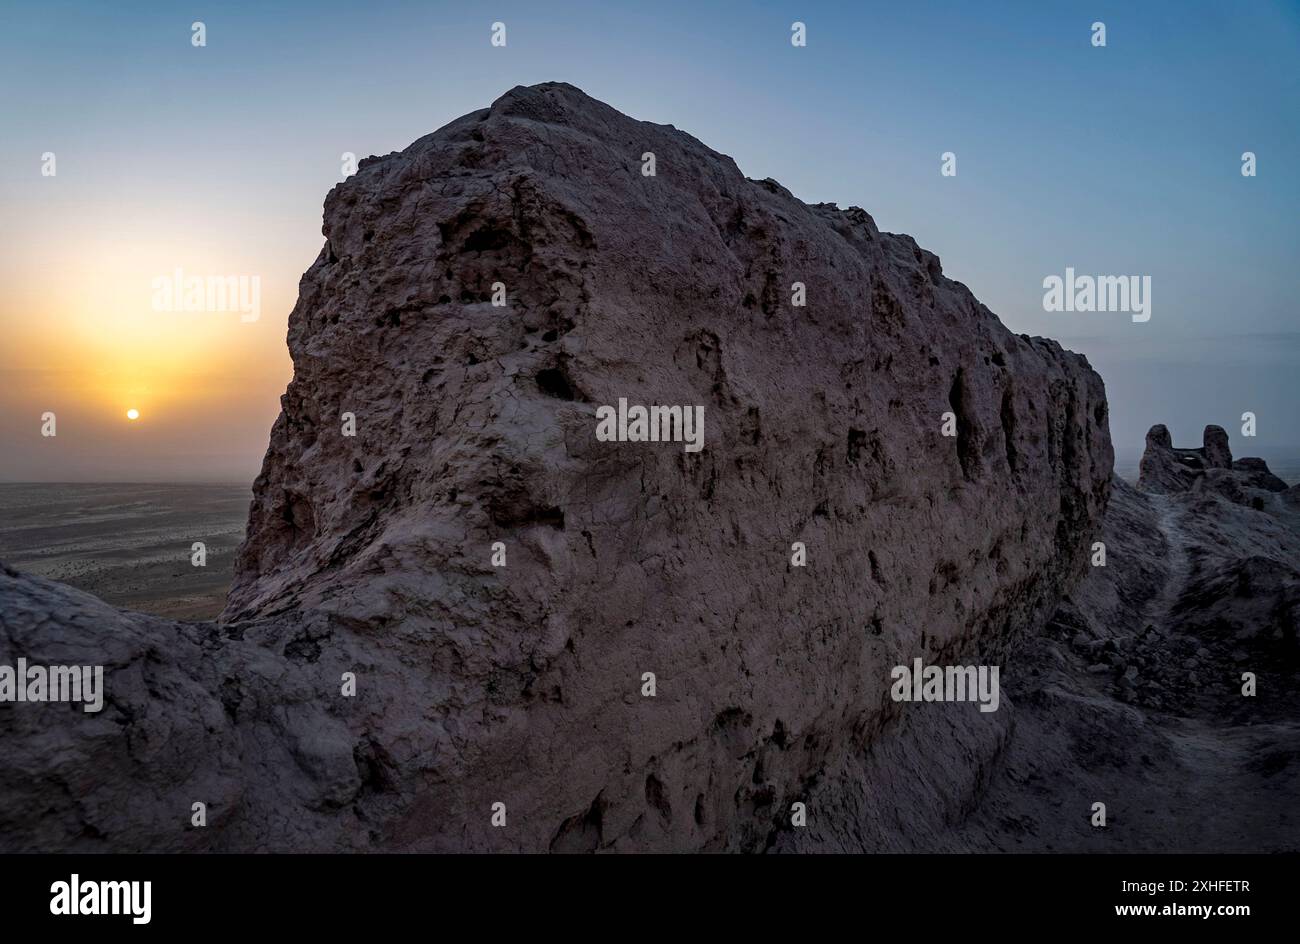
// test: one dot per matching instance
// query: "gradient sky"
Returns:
(1122, 160)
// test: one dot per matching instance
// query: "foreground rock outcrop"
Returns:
(523, 684)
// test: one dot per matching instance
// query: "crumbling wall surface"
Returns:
(824, 424)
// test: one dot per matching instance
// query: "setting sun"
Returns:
(132, 414)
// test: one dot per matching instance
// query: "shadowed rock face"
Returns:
(1130, 696)
(476, 424)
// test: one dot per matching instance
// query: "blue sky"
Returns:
(1118, 160)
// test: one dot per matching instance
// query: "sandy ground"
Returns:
(128, 544)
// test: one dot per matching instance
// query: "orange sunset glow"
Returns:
(89, 344)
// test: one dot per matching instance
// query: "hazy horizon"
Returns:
(216, 160)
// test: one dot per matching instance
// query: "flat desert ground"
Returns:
(128, 544)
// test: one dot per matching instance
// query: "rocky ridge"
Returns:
(522, 684)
